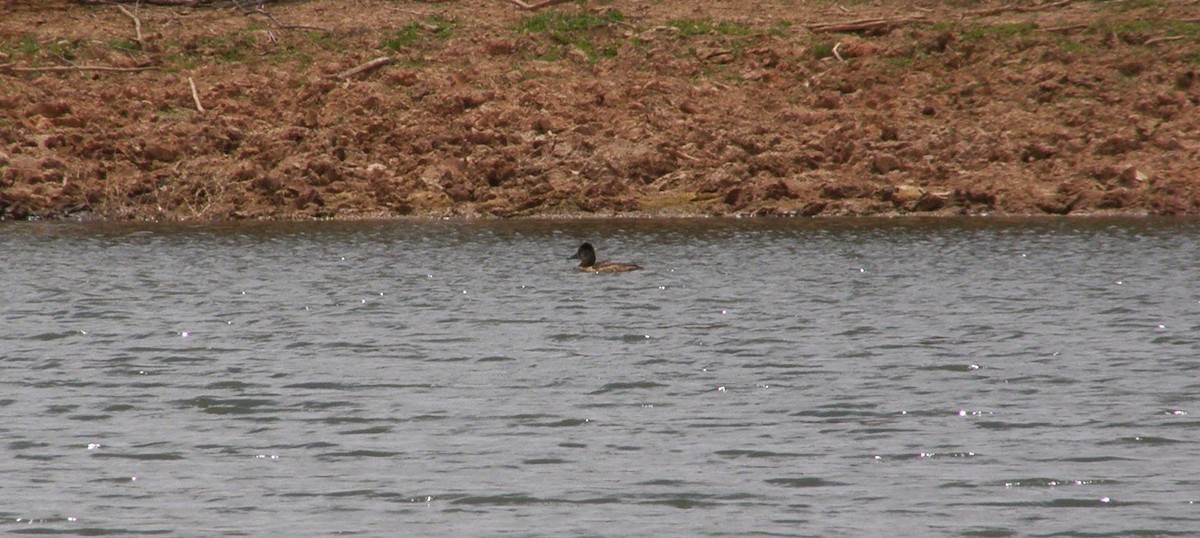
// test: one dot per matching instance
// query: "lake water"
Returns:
(760, 377)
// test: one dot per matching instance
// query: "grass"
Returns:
(228, 48)
(1130, 5)
(1070, 45)
(560, 23)
(409, 35)
(821, 49)
(1000, 32)
(569, 29)
(29, 45)
(434, 26)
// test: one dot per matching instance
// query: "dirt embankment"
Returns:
(618, 107)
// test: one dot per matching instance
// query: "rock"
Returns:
(1187, 79)
(1116, 145)
(1132, 177)
(714, 55)
(974, 196)
(1036, 152)
(828, 101)
(776, 191)
(733, 197)
(842, 191)
(49, 110)
(812, 209)
(460, 193)
(929, 202)
(902, 195)
(499, 47)
(1116, 199)
(309, 197)
(884, 163)
(155, 151)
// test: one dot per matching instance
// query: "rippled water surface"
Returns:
(765, 377)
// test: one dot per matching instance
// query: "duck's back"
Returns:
(611, 267)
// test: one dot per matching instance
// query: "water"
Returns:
(765, 377)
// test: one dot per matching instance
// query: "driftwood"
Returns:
(1164, 39)
(244, 4)
(1065, 29)
(137, 23)
(1018, 9)
(369, 66)
(61, 68)
(863, 25)
(195, 96)
(267, 14)
(537, 5)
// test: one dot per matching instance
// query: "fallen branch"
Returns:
(1154, 40)
(864, 25)
(835, 52)
(267, 14)
(369, 66)
(180, 3)
(195, 96)
(62, 68)
(1018, 9)
(151, 2)
(1067, 28)
(537, 5)
(137, 24)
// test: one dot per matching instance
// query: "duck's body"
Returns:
(587, 262)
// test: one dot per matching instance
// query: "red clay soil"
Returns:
(626, 107)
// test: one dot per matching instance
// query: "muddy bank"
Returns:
(622, 107)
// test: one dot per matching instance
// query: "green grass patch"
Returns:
(1130, 5)
(432, 27)
(228, 48)
(821, 49)
(559, 22)
(1069, 45)
(1149, 26)
(1000, 32)
(577, 30)
(28, 45)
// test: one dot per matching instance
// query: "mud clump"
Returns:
(624, 108)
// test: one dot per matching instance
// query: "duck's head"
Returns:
(586, 255)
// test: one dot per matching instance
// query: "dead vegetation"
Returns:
(306, 109)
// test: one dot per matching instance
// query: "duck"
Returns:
(587, 262)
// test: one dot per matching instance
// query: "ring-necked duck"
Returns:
(587, 262)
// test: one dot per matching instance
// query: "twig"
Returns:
(369, 66)
(402, 10)
(151, 2)
(195, 96)
(61, 68)
(267, 14)
(1018, 9)
(1067, 28)
(137, 24)
(835, 52)
(863, 25)
(537, 5)
(1154, 40)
